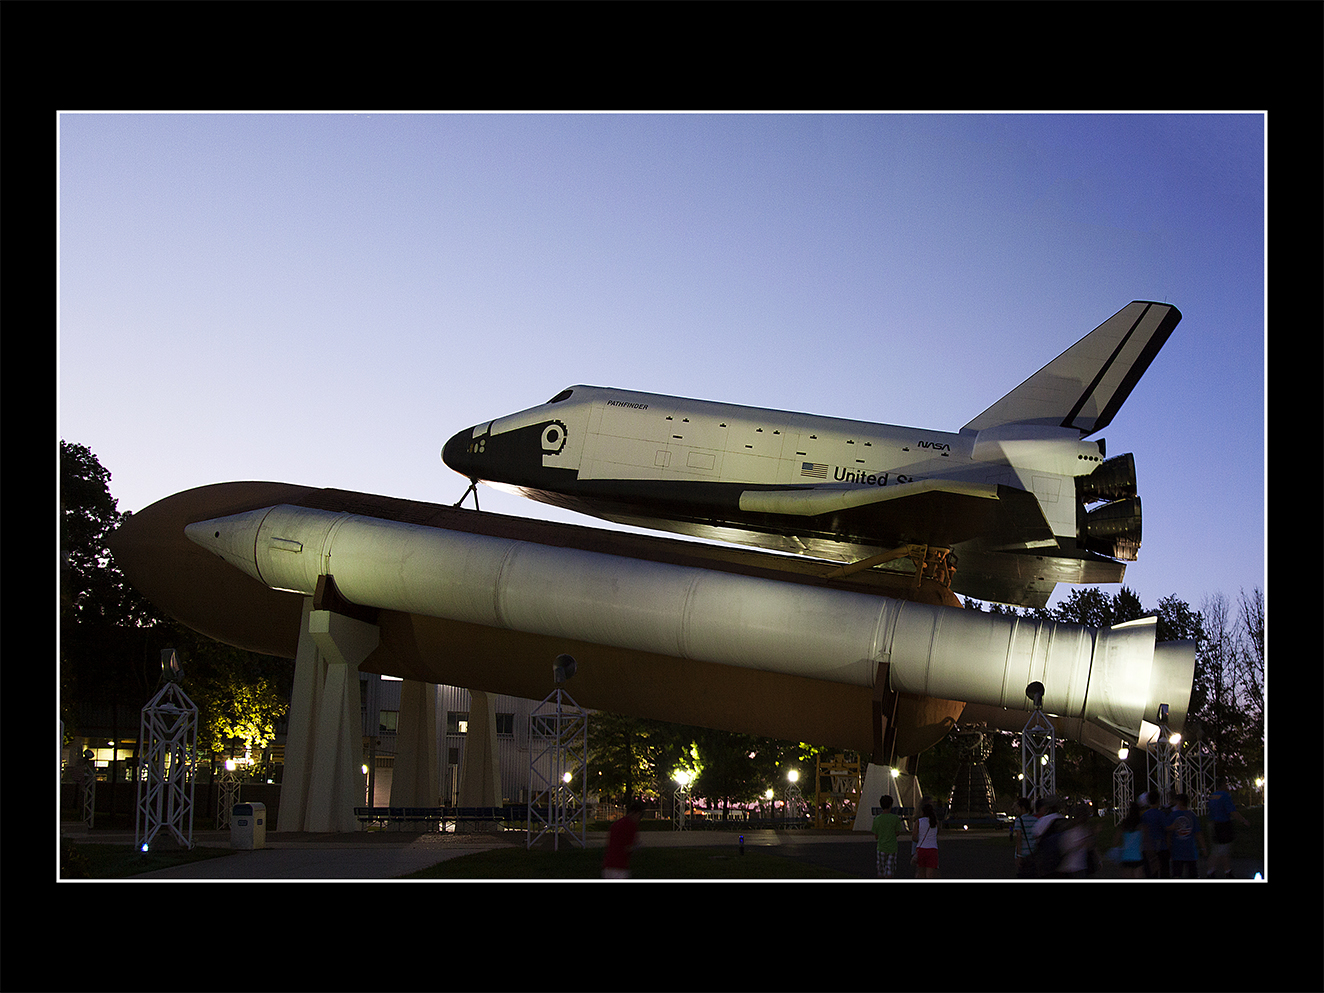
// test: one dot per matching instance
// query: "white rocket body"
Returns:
(1114, 677)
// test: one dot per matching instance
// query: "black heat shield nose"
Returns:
(458, 453)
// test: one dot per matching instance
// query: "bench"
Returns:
(437, 818)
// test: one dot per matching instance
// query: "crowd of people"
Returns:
(1153, 841)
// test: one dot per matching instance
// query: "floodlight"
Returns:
(1035, 691)
(563, 668)
(170, 664)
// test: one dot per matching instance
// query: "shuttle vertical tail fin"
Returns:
(1084, 387)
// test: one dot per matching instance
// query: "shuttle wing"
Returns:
(804, 502)
(1084, 386)
(939, 512)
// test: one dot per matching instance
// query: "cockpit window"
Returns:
(563, 395)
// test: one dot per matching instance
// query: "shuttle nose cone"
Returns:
(458, 452)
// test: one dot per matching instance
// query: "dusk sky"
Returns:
(325, 299)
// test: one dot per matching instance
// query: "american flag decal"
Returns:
(814, 470)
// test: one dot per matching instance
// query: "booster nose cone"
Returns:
(233, 538)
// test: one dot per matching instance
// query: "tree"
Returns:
(241, 696)
(1227, 702)
(111, 637)
(635, 756)
(1177, 621)
(1086, 605)
(618, 757)
(736, 768)
(1248, 664)
(91, 585)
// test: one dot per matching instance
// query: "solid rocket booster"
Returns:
(1114, 677)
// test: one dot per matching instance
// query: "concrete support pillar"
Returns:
(903, 788)
(480, 774)
(324, 748)
(415, 781)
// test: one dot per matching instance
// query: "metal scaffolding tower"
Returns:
(1163, 766)
(168, 753)
(558, 750)
(229, 795)
(680, 802)
(1199, 772)
(793, 802)
(1038, 749)
(838, 791)
(1124, 786)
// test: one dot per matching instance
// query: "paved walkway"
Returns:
(390, 854)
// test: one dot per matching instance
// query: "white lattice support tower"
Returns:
(229, 795)
(90, 803)
(1038, 757)
(167, 751)
(1163, 767)
(87, 787)
(680, 803)
(794, 803)
(1124, 791)
(1198, 774)
(558, 750)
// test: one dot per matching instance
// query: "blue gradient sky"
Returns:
(326, 299)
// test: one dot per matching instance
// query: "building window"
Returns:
(457, 722)
(505, 723)
(389, 722)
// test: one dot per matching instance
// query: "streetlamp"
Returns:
(682, 779)
(1123, 785)
(793, 798)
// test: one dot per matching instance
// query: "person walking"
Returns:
(1222, 811)
(1156, 837)
(1184, 836)
(886, 827)
(925, 836)
(1022, 834)
(621, 841)
(1047, 835)
(1079, 856)
(1130, 840)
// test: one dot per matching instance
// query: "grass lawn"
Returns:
(101, 861)
(655, 863)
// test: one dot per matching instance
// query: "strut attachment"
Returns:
(473, 488)
(934, 563)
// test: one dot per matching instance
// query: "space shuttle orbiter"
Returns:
(1016, 501)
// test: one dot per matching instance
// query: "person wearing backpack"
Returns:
(1155, 819)
(1080, 859)
(1022, 835)
(1130, 841)
(1047, 834)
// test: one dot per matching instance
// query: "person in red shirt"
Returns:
(621, 842)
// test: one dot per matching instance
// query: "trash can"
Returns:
(248, 825)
